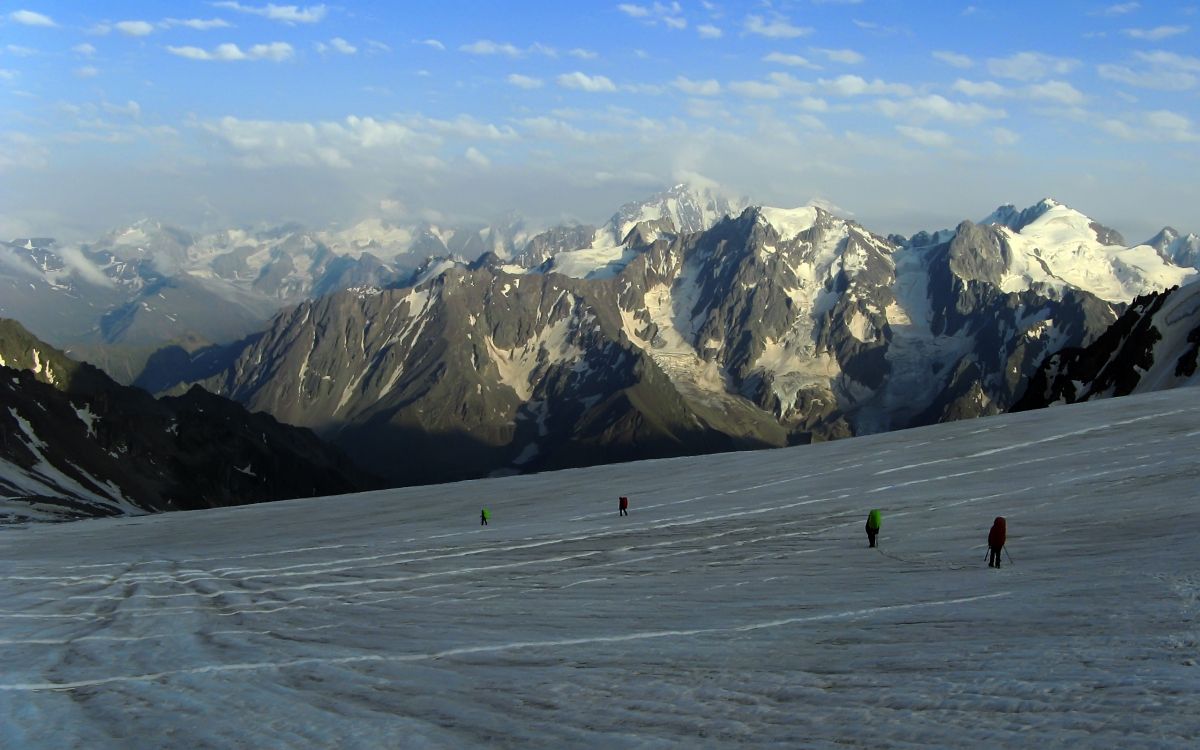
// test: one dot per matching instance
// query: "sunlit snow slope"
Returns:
(737, 604)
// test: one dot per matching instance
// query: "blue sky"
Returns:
(905, 115)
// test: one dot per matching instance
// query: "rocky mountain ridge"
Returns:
(775, 326)
(73, 443)
(118, 299)
(1155, 345)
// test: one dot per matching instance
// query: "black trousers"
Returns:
(994, 557)
(624, 512)
(871, 534)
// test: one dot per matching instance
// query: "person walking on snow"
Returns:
(623, 505)
(996, 541)
(483, 517)
(874, 523)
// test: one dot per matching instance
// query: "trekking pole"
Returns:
(1010, 560)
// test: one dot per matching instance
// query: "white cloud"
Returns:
(84, 49)
(668, 14)
(954, 59)
(1164, 80)
(1119, 9)
(199, 24)
(1005, 137)
(134, 28)
(931, 138)
(275, 52)
(709, 87)
(756, 89)
(130, 109)
(374, 45)
(706, 109)
(488, 47)
(30, 18)
(984, 89)
(1059, 92)
(880, 30)
(433, 43)
(938, 107)
(87, 71)
(463, 126)
(1171, 60)
(1154, 126)
(777, 28)
(844, 56)
(582, 82)
(1155, 34)
(583, 54)
(1030, 66)
(708, 31)
(476, 157)
(337, 144)
(19, 51)
(549, 128)
(337, 44)
(7, 75)
(288, 14)
(1165, 71)
(852, 85)
(796, 61)
(524, 82)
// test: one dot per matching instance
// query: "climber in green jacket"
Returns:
(874, 522)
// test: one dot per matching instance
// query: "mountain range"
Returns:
(689, 322)
(770, 327)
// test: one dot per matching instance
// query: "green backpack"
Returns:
(875, 519)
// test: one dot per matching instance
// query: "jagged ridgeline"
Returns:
(73, 443)
(769, 327)
(1154, 346)
(689, 322)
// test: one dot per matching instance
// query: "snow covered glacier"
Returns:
(737, 604)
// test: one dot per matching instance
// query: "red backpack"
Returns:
(997, 534)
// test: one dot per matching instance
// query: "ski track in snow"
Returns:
(737, 604)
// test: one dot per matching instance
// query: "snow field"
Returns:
(737, 604)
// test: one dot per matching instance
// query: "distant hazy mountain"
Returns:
(73, 443)
(117, 300)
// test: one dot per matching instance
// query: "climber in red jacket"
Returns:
(996, 542)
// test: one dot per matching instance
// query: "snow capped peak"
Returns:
(379, 236)
(788, 223)
(1052, 244)
(689, 208)
(1016, 220)
(1182, 250)
(1163, 239)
